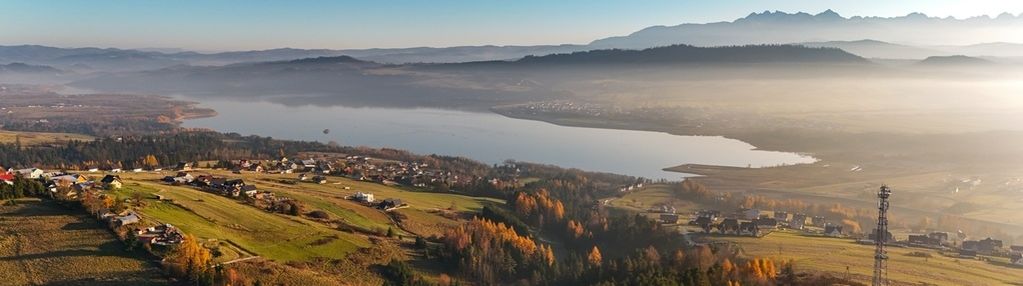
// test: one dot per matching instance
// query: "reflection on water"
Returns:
(489, 137)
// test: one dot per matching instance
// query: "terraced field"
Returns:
(45, 244)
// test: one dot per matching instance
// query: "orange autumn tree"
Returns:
(594, 257)
(493, 252)
(539, 208)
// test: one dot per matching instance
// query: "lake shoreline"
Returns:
(490, 137)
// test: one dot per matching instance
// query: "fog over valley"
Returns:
(777, 148)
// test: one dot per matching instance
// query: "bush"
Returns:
(919, 254)
(319, 214)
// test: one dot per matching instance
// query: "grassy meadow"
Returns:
(836, 255)
(291, 238)
(40, 138)
(42, 243)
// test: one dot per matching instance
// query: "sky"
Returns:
(219, 25)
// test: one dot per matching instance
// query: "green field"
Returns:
(45, 244)
(273, 236)
(290, 238)
(834, 255)
(423, 212)
(648, 197)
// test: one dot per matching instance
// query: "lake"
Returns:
(489, 137)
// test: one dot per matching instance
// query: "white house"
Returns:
(364, 197)
(30, 173)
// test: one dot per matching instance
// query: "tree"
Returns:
(651, 254)
(151, 161)
(190, 259)
(231, 278)
(594, 257)
(420, 242)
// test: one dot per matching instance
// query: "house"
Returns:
(182, 178)
(749, 214)
(748, 228)
(183, 166)
(162, 235)
(704, 222)
(111, 182)
(970, 245)
(1016, 248)
(233, 187)
(217, 183)
(819, 221)
(798, 221)
(30, 173)
(766, 222)
(781, 216)
(7, 177)
(390, 204)
(249, 190)
(669, 218)
(712, 214)
(923, 239)
(73, 178)
(363, 197)
(129, 218)
(989, 245)
(833, 230)
(203, 181)
(888, 237)
(942, 237)
(309, 164)
(729, 225)
(1016, 258)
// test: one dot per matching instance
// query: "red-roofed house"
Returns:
(7, 177)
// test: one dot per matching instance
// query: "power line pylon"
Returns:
(880, 237)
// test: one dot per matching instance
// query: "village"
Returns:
(758, 223)
(92, 189)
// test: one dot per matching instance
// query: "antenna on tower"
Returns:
(880, 237)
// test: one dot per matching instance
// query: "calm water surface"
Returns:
(489, 137)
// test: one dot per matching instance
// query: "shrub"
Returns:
(319, 214)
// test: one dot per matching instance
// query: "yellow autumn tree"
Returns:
(190, 258)
(594, 256)
(150, 161)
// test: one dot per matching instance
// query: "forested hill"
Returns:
(685, 54)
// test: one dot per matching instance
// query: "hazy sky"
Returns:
(257, 24)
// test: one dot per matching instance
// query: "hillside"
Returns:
(952, 61)
(878, 49)
(42, 243)
(683, 54)
(26, 68)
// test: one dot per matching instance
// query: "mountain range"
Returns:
(781, 27)
(914, 36)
